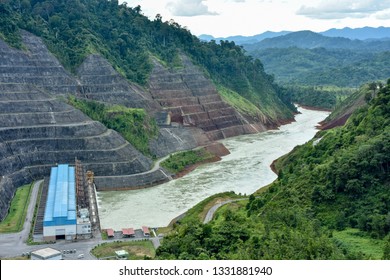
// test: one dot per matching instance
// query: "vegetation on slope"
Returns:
(346, 107)
(334, 185)
(180, 161)
(241, 104)
(76, 28)
(133, 124)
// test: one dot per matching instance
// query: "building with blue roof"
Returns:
(60, 218)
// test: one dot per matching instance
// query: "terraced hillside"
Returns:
(34, 66)
(37, 131)
(194, 101)
(99, 81)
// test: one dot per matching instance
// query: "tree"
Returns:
(386, 250)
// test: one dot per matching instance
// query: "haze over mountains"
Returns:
(364, 33)
(311, 40)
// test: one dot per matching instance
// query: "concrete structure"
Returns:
(46, 254)
(60, 221)
(163, 118)
(84, 227)
(121, 255)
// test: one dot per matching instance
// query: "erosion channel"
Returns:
(245, 170)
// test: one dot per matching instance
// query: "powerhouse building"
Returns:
(60, 218)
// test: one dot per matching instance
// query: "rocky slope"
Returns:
(194, 101)
(346, 108)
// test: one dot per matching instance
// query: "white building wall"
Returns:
(64, 229)
(84, 228)
(35, 257)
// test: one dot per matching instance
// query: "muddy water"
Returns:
(244, 171)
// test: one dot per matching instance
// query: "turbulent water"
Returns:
(244, 171)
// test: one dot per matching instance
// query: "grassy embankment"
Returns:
(18, 210)
(240, 103)
(138, 250)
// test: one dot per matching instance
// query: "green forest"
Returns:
(331, 201)
(324, 67)
(76, 28)
(319, 77)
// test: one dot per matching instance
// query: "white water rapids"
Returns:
(244, 171)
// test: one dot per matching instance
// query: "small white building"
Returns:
(46, 254)
(83, 224)
(121, 255)
(83, 227)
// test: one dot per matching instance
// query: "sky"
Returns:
(223, 18)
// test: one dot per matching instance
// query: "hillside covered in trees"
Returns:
(331, 201)
(330, 67)
(324, 67)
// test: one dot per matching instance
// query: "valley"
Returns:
(163, 126)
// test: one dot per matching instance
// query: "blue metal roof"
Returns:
(61, 199)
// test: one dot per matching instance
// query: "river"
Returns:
(244, 171)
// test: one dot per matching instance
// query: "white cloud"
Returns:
(189, 8)
(383, 15)
(336, 9)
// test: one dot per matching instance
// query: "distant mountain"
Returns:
(312, 40)
(320, 66)
(363, 33)
(245, 39)
(205, 37)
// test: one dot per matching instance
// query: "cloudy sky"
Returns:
(222, 18)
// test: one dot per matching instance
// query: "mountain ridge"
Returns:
(363, 33)
(310, 40)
